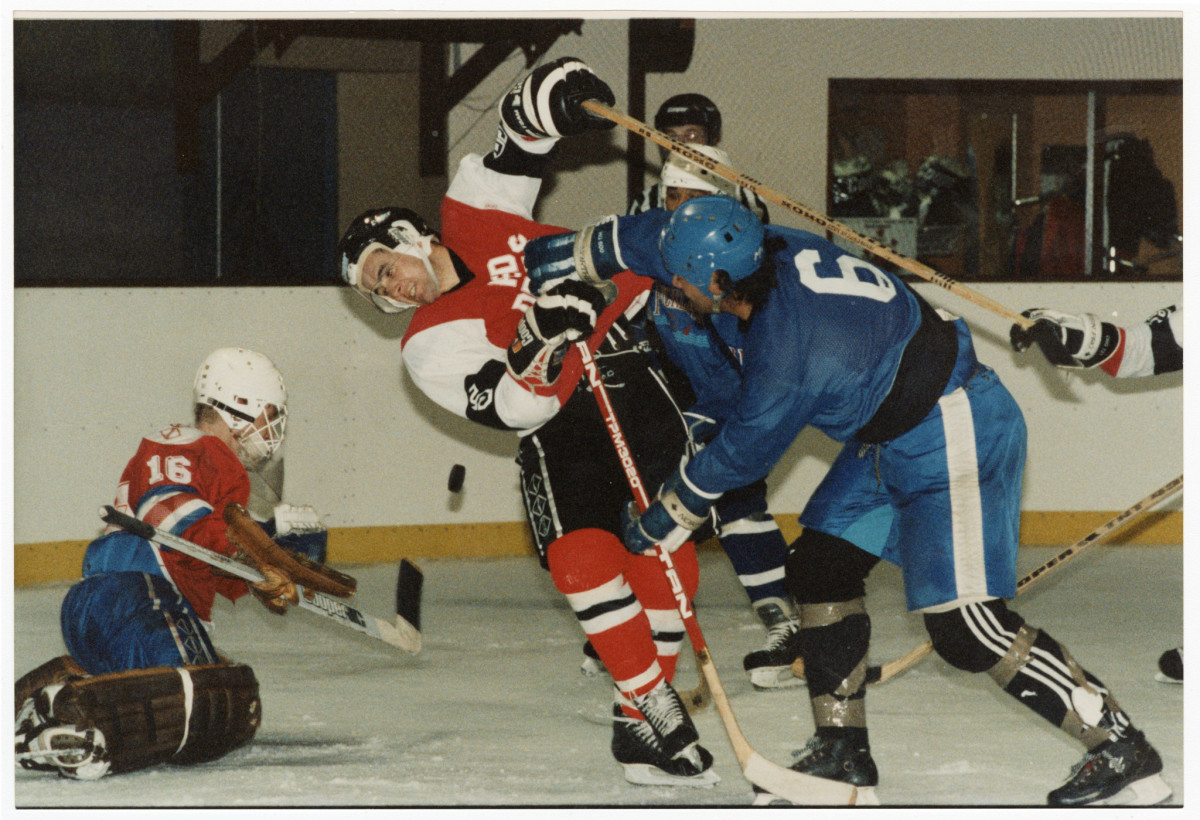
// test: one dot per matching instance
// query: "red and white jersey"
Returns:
(180, 480)
(1153, 347)
(455, 348)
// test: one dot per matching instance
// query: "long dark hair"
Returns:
(754, 289)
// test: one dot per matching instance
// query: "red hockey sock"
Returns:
(587, 566)
(648, 579)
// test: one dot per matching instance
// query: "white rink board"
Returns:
(95, 369)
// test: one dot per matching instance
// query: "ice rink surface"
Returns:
(494, 713)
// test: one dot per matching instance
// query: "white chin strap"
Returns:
(421, 249)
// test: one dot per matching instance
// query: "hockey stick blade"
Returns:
(318, 603)
(795, 787)
(409, 583)
(695, 700)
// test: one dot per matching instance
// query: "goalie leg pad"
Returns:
(188, 714)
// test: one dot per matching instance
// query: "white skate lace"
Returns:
(778, 634)
(662, 709)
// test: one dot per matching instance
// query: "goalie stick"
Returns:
(879, 674)
(403, 634)
(796, 787)
(707, 163)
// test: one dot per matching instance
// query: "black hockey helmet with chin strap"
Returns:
(392, 227)
(690, 109)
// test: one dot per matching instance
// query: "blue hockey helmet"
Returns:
(711, 233)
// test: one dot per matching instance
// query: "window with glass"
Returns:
(1000, 180)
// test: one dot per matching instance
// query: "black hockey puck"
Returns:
(457, 474)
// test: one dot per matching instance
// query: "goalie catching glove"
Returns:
(1067, 340)
(548, 103)
(275, 591)
(281, 568)
(560, 316)
(678, 510)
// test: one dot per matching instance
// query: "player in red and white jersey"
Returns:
(482, 346)
(143, 683)
(180, 480)
(1151, 348)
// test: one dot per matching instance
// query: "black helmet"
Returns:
(690, 109)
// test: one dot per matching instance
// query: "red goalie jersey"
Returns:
(454, 349)
(179, 480)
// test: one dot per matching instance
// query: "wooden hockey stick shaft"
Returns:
(1096, 536)
(400, 634)
(800, 789)
(697, 698)
(833, 226)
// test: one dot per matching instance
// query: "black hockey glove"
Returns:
(549, 101)
(562, 315)
(1065, 339)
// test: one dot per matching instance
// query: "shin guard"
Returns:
(834, 639)
(1031, 666)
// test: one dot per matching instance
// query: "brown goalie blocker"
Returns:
(251, 537)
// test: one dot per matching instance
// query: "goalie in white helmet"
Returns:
(136, 626)
(247, 392)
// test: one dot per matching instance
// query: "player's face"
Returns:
(688, 133)
(400, 276)
(677, 196)
(700, 301)
(256, 442)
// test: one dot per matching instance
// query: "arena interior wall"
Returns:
(373, 455)
(94, 369)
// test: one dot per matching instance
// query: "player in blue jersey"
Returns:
(700, 352)
(929, 477)
(705, 345)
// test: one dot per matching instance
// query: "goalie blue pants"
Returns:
(116, 621)
(942, 501)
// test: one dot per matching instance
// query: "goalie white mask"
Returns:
(247, 391)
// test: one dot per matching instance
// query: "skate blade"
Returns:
(774, 677)
(1161, 678)
(643, 774)
(865, 797)
(1149, 791)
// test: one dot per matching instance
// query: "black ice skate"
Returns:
(771, 666)
(1125, 772)
(833, 758)
(1170, 666)
(663, 749)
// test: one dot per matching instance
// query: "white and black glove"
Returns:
(562, 315)
(1066, 339)
(549, 101)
